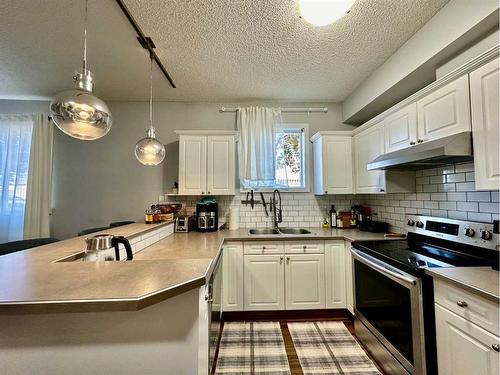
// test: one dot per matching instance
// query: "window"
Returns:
(15, 145)
(291, 160)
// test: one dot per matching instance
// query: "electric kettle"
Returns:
(99, 248)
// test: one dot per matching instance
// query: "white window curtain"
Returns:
(257, 127)
(37, 211)
(15, 144)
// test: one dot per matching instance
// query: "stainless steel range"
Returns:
(394, 305)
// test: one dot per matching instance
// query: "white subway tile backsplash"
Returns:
(422, 180)
(468, 206)
(430, 188)
(438, 196)
(495, 196)
(431, 204)
(447, 187)
(457, 215)
(479, 196)
(481, 217)
(467, 167)
(439, 179)
(446, 169)
(457, 177)
(465, 186)
(492, 208)
(448, 205)
(457, 197)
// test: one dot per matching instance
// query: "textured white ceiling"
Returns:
(217, 50)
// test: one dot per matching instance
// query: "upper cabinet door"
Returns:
(337, 165)
(192, 165)
(368, 145)
(485, 125)
(445, 111)
(220, 165)
(400, 128)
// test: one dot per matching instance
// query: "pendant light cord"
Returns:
(85, 39)
(151, 91)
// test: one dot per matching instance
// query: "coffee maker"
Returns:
(207, 216)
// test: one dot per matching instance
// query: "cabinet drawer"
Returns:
(263, 247)
(304, 247)
(474, 308)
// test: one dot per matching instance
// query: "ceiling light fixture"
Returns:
(324, 12)
(150, 151)
(77, 112)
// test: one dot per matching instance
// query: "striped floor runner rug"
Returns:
(329, 348)
(252, 348)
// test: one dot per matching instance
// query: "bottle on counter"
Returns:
(353, 220)
(333, 217)
(148, 217)
(156, 216)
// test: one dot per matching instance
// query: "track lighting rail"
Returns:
(146, 42)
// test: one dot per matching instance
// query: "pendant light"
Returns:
(150, 151)
(324, 12)
(77, 112)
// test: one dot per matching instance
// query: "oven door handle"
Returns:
(383, 268)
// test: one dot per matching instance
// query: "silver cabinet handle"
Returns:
(287, 260)
(281, 260)
(304, 247)
(462, 303)
(495, 347)
(202, 192)
(413, 143)
(420, 140)
(208, 192)
(263, 248)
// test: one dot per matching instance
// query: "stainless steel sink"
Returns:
(263, 231)
(294, 231)
(280, 231)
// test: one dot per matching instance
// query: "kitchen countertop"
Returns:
(32, 281)
(483, 281)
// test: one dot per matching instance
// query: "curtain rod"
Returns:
(295, 110)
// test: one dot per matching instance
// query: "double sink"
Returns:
(279, 231)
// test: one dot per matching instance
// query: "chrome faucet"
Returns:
(277, 212)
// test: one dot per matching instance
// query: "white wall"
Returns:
(454, 21)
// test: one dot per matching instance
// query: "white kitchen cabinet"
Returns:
(264, 282)
(305, 281)
(305, 247)
(232, 276)
(333, 166)
(485, 125)
(220, 165)
(206, 163)
(400, 128)
(192, 165)
(445, 111)
(368, 145)
(348, 277)
(464, 348)
(335, 266)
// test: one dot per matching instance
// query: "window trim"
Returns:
(306, 162)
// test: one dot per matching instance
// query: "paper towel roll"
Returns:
(234, 218)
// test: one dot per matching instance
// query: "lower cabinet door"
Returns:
(464, 348)
(232, 276)
(335, 266)
(349, 284)
(264, 282)
(305, 281)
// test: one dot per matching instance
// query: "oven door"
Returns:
(388, 302)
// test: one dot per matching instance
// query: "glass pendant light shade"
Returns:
(77, 112)
(324, 12)
(150, 151)
(80, 114)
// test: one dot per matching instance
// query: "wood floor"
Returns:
(289, 316)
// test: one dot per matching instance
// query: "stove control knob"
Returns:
(420, 224)
(411, 223)
(486, 235)
(469, 232)
(421, 263)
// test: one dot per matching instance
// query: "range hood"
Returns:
(448, 150)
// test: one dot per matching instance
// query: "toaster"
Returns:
(184, 224)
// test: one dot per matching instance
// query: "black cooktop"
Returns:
(415, 254)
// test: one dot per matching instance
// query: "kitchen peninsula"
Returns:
(67, 316)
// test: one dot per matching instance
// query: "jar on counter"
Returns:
(148, 217)
(156, 216)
